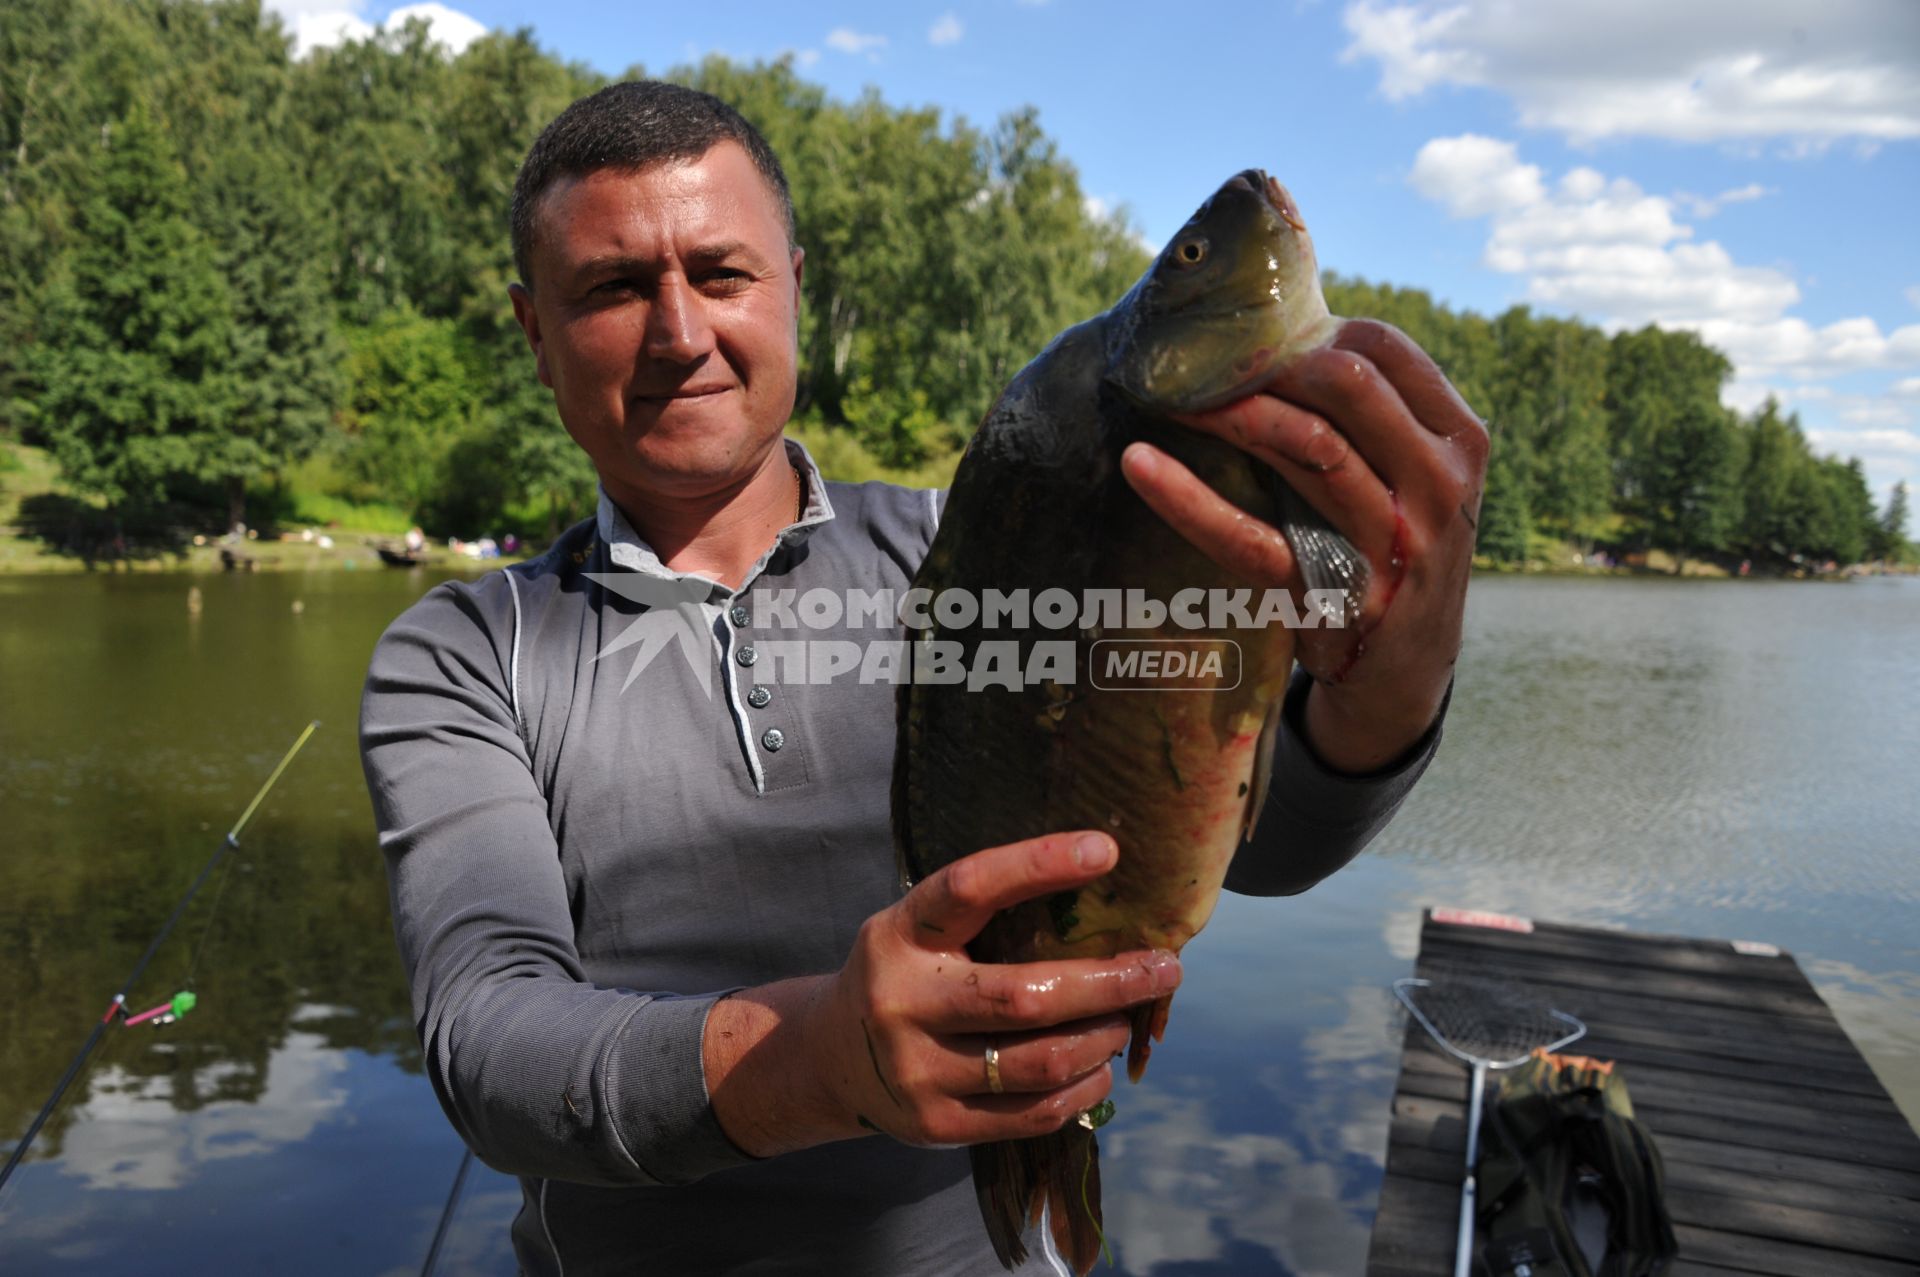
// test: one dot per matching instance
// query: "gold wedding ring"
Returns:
(993, 1070)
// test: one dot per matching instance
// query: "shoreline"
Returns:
(20, 557)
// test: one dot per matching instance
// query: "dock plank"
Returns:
(1785, 1155)
(1845, 1136)
(1694, 1076)
(1858, 1203)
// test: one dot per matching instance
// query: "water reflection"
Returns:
(130, 1135)
(1686, 757)
(1199, 1193)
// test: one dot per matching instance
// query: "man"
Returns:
(662, 968)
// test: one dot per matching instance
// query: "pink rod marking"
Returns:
(162, 1009)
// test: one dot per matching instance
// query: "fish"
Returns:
(1177, 775)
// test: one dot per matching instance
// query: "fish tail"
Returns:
(1061, 1171)
(1149, 1026)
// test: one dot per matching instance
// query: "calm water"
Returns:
(1728, 759)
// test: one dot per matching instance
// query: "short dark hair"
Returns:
(633, 126)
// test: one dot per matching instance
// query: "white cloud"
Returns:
(322, 24)
(1743, 395)
(947, 30)
(1621, 257)
(450, 27)
(1790, 346)
(1695, 71)
(1889, 454)
(1606, 249)
(1708, 205)
(1913, 294)
(847, 40)
(1865, 411)
(320, 28)
(1474, 175)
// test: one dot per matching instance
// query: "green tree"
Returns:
(283, 357)
(1506, 512)
(1676, 455)
(1550, 391)
(67, 72)
(412, 395)
(134, 351)
(369, 148)
(1775, 451)
(1854, 525)
(1890, 533)
(1691, 489)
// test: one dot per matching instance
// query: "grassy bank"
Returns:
(39, 517)
(332, 533)
(328, 533)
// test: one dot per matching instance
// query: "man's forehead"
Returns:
(720, 186)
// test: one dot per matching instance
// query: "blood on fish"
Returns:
(1396, 573)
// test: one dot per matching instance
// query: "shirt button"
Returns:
(759, 697)
(740, 615)
(774, 739)
(746, 655)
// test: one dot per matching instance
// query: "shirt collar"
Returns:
(626, 550)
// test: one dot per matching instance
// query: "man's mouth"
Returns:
(683, 392)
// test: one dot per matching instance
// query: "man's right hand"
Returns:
(896, 1040)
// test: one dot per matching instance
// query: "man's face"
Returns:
(663, 316)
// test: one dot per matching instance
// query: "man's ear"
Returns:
(530, 325)
(799, 262)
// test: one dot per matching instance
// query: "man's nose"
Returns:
(677, 327)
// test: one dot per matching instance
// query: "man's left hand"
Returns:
(1369, 431)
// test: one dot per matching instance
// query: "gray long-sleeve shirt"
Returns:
(601, 810)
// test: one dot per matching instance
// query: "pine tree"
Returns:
(134, 348)
(1890, 534)
(1506, 513)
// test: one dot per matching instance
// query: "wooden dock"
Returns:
(1784, 1154)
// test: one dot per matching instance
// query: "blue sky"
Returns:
(1745, 168)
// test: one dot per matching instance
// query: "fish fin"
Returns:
(1149, 1026)
(1262, 770)
(1014, 1179)
(1326, 559)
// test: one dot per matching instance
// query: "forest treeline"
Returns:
(235, 286)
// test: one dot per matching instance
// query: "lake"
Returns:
(1732, 759)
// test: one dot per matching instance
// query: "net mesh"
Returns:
(1496, 1021)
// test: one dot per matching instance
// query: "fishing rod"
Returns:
(182, 1002)
(446, 1215)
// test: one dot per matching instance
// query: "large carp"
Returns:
(1177, 774)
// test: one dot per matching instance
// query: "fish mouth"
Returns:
(1257, 181)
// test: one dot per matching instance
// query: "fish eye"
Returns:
(1191, 253)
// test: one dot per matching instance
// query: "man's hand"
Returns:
(1370, 432)
(896, 1041)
